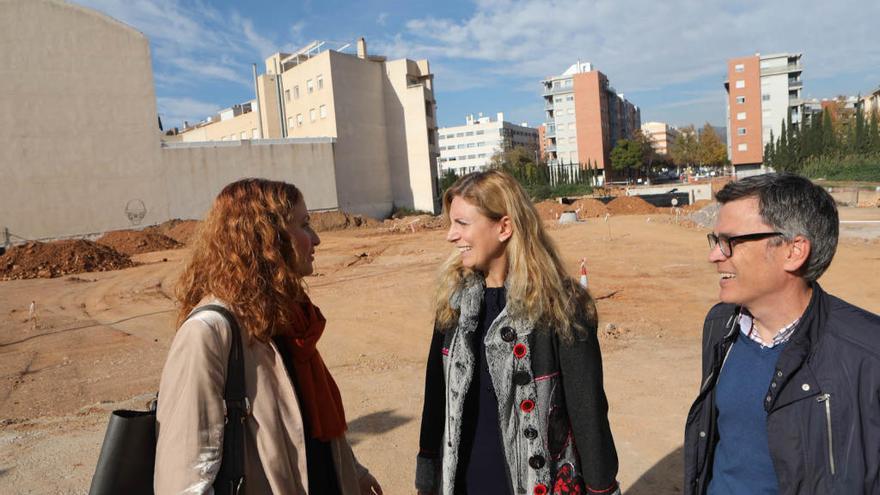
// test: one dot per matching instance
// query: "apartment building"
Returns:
(469, 147)
(382, 114)
(763, 91)
(661, 134)
(871, 102)
(585, 118)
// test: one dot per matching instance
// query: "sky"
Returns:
(666, 57)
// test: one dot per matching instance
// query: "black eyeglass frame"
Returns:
(721, 240)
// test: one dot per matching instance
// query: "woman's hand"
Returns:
(369, 485)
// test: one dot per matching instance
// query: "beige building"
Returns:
(661, 134)
(871, 102)
(381, 113)
(84, 157)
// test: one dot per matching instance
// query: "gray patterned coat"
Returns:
(552, 410)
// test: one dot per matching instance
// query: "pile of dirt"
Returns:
(179, 230)
(415, 223)
(324, 221)
(589, 208)
(631, 205)
(550, 210)
(138, 241)
(55, 259)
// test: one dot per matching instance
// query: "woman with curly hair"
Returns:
(250, 256)
(514, 401)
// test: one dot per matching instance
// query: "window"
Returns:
(740, 84)
(460, 134)
(311, 115)
(243, 134)
(310, 86)
(470, 145)
(765, 97)
(741, 116)
(289, 121)
(741, 131)
(286, 95)
(569, 98)
(296, 92)
(320, 81)
(299, 119)
(255, 133)
(469, 133)
(742, 147)
(479, 133)
(739, 67)
(323, 111)
(740, 99)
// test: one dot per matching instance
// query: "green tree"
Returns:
(627, 155)
(447, 179)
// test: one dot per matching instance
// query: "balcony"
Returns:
(557, 90)
(551, 131)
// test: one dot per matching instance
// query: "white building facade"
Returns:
(469, 148)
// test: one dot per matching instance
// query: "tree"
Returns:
(627, 155)
(710, 150)
(684, 147)
(646, 144)
(447, 179)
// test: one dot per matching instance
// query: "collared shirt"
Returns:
(747, 327)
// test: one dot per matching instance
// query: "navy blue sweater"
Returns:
(742, 458)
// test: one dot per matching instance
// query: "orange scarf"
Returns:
(318, 393)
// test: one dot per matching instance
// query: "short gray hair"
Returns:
(794, 206)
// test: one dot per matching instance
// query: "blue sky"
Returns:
(490, 55)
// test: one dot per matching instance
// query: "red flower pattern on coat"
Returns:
(567, 483)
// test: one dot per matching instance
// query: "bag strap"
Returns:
(230, 479)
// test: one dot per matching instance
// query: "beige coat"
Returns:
(190, 417)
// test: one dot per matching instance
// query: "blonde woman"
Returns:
(253, 250)
(514, 402)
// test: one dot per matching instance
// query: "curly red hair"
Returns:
(244, 255)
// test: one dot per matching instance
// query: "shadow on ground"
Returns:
(664, 478)
(374, 424)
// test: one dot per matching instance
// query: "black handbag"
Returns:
(128, 454)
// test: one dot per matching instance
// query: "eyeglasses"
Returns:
(726, 243)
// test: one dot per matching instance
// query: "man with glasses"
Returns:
(790, 395)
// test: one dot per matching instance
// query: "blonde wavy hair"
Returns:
(244, 255)
(538, 287)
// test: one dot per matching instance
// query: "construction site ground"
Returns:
(99, 340)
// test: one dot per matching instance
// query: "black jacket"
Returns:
(564, 382)
(823, 405)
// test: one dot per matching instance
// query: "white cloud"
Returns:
(643, 44)
(382, 18)
(193, 40)
(174, 110)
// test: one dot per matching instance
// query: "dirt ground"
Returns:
(99, 343)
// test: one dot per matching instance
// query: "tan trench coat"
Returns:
(190, 417)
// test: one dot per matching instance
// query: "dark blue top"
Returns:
(742, 463)
(482, 467)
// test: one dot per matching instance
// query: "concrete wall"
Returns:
(81, 151)
(194, 173)
(696, 191)
(79, 116)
